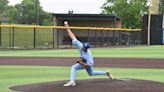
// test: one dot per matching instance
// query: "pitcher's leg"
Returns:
(73, 71)
(91, 72)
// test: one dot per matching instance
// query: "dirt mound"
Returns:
(95, 85)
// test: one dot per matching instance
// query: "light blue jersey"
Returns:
(86, 55)
(89, 60)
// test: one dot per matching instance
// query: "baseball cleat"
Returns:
(71, 83)
(109, 75)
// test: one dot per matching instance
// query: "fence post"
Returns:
(119, 37)
(53, 38)
(88, 36)
(57, 39)
(131, 37)
(101, 38)
(114, 32)
(95, 38)
(13, 38)
(114, 37)
(107, 37)
(34, 40)
(0, 35)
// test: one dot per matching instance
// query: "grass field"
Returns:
(23, 38)
(131, 52)
(18, 75)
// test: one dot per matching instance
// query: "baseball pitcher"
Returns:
(86, 60)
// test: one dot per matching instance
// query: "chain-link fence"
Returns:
(47, 37)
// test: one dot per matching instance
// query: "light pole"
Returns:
(36, 12)
(153, 9)
(21, 11)
(149, 24)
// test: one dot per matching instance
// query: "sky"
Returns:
(63, 6)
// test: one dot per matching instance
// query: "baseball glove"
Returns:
(83, 62)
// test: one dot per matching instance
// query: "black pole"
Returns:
(0, 35)
(113, 37)
(101, 37)
(36, 12)
(131, 37)
(126, 38)
(13, 38)
(114, 32)
(119, 37)
(88, 36)
(34, 44)
(57, 39)
(95, 38)
(108, 38)
(11, 35)
(53, 38)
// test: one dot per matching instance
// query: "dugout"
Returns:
(156, 29)
(88, 20)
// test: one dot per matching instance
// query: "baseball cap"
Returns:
(86, 45)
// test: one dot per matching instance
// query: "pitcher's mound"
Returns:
(95, 85)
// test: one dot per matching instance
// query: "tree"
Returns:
(3, 7)
(130, 11)
(12, 13)
(46, 19)
(27, 12)
(161, 6)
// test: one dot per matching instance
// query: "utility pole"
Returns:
(21, 12)
(36, 13)
(153, 9)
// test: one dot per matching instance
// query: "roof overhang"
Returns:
(83, 17)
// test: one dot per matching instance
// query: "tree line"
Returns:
(26, 12)
(130, 11)
(31, 12)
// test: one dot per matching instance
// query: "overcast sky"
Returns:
(63, 6)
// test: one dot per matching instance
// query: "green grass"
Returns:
(18, 75)
(131, 52)
(23, 38)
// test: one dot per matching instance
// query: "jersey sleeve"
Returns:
(77, 43)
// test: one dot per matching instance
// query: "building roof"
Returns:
(93, 17)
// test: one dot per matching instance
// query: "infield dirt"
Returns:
(99, 62)
(95, 85)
